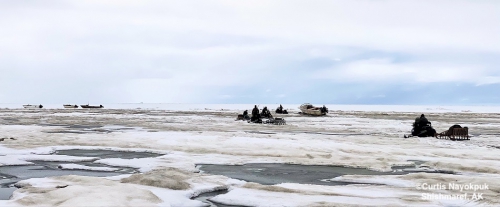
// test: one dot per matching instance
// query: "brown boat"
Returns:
(69, 106)
(91, 107)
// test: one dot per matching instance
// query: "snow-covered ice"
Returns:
(83, 167)
(357, 136)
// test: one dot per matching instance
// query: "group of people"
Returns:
(257, 115)
(422, 127)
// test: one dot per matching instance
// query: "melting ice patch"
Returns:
(83, 167)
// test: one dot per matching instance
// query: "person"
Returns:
(255, 111)
(255, 115)
(324, 109)
(245, 115)
(422, 127)
(423, 121)
(279, 110)
(265, 112)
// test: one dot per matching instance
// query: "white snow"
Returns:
(357, 136)
(252, 197)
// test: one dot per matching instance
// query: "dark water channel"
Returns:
(263, 173)
(86, 129)
(273, 173)
(9, 175)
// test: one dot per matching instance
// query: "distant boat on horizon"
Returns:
(29, 106)
(69, 106)
(86, 106)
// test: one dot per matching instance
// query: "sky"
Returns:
(189, 51)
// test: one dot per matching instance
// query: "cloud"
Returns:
(488, 80)
(388, 71)
(192, 51)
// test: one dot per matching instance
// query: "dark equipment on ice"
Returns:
(455, 132)
(276, 121)
(264, 117)
(256, 119)
(243, 116)
(91, 107)
(280, 110)
(422, 128)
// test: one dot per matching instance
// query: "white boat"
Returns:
(69, 106)
(309, 109)
(29, 106)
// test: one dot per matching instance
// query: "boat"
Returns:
(91, 107)
(309, 109)
(69, 106)
(29, 106)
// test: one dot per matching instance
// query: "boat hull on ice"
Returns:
(69, 106)
(29, 106)
(91, 107)
(309, 109)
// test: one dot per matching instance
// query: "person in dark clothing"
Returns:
(422, 127)
(423, 121)
(255, 110)
(255, 114)
(324, 110)
(279, 110)
(245, 114)
(265, 112)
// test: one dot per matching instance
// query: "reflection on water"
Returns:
(9, 175)
(272, 173)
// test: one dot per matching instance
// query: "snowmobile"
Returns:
(422, 131)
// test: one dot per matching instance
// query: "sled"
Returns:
(276, 121)
(454, 134)
(240, 117)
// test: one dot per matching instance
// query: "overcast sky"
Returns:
(331, 52)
